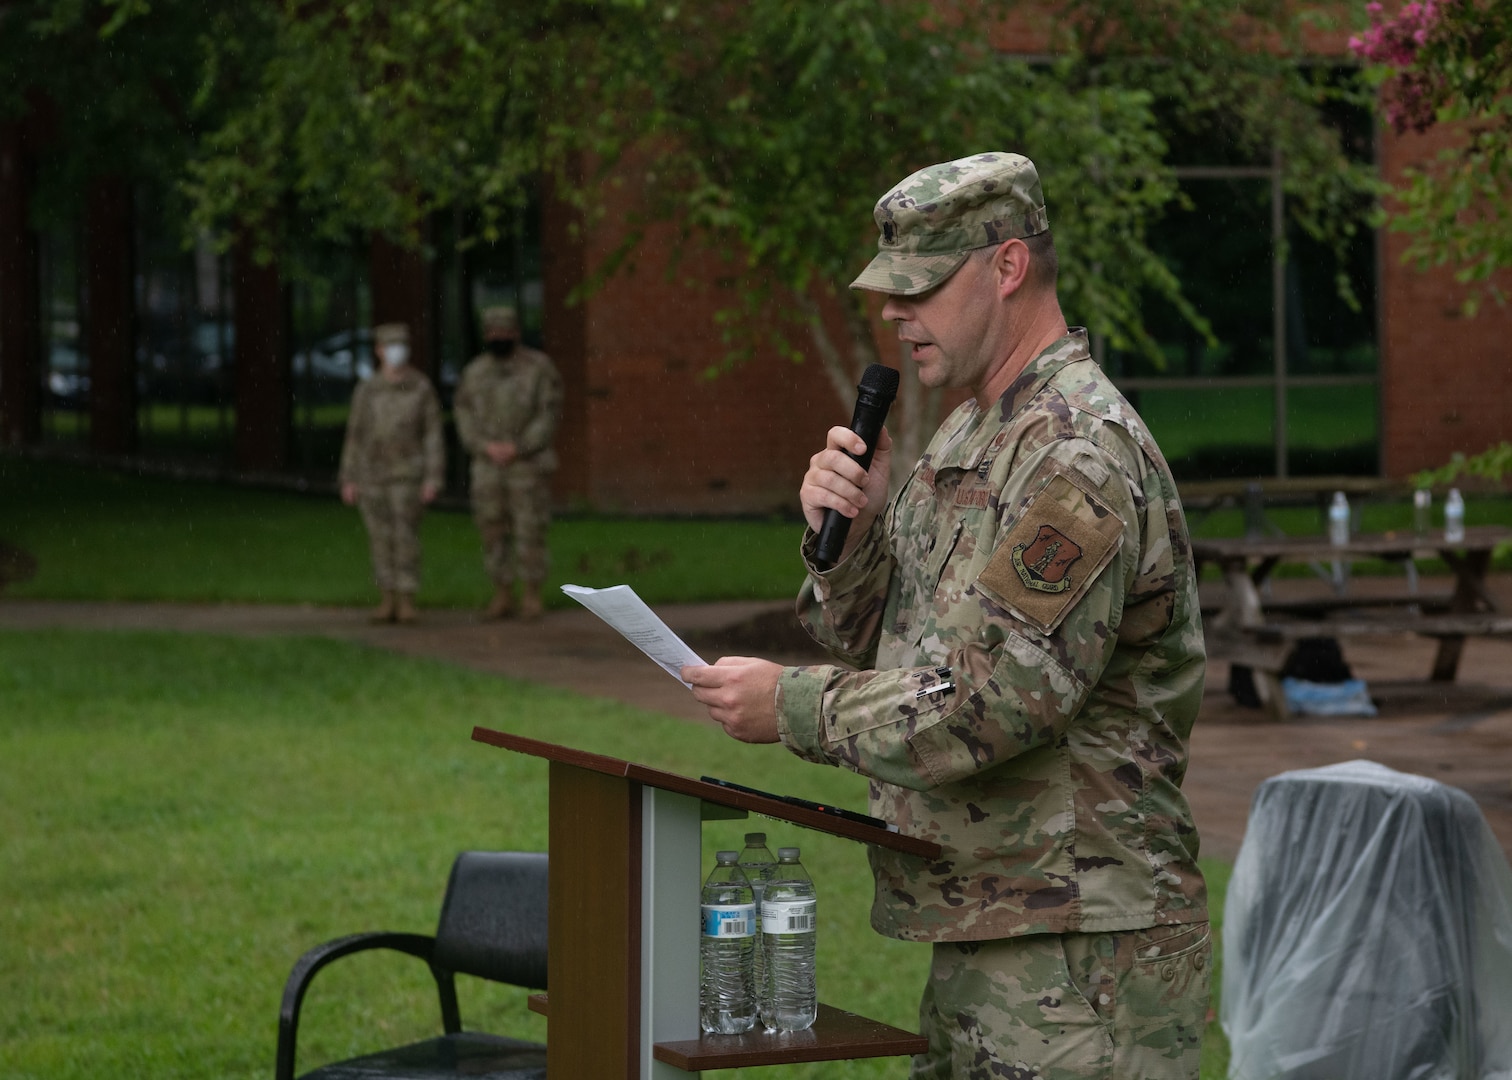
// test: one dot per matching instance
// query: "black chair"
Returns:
(493, 926)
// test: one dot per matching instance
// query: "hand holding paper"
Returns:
(740, 693)
(626, 612)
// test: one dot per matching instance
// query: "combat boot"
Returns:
(530, 603)
(502, 606)
(404, 609)
(384, 612)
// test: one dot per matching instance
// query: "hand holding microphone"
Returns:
(840, 486)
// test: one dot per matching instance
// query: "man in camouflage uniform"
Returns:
(507, 407)
(392, 465)
(1022, 663)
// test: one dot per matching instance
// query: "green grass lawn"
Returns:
(1229, 431)
(183, 816)
(100, 535)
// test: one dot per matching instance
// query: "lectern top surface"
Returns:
(752, 802)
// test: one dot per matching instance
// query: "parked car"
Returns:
(67, 377)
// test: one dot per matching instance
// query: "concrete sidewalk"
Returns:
(1460, 734)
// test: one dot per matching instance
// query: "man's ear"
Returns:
(1010, 264)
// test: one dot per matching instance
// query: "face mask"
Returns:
(502, 348)
(396, 355)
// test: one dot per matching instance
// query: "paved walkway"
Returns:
(1460, 734)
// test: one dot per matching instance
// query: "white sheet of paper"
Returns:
(626, 612)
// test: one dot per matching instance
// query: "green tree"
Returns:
(766, 127)
(1449, 62)
(784, 123)
(129, 87)
(371, 114)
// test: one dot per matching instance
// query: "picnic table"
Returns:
(1252, 629)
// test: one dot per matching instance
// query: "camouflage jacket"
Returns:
(1025, 625)
(393, 433)
(517, 400)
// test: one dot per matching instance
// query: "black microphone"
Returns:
(879, 385)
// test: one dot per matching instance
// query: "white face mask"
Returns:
(396, 354)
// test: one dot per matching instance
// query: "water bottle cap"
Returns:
(1339, 498)
(755, 839)
(726, 857)
(788, 853)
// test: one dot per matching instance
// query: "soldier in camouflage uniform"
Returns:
(392, 465)
(507, 408)
(1020, 663)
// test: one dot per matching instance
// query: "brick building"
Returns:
(113, 342)
(1444, 377)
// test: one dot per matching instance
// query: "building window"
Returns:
(65, 367)
(1290, 385)
(331, 346)
(184, 348)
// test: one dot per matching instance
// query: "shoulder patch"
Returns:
(1061, 542)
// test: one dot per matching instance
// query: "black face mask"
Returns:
(503, 349)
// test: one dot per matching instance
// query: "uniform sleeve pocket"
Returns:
(1024, 703)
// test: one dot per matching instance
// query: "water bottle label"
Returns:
(728, 921)
(789, 916)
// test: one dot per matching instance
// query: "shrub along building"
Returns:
(117, 343)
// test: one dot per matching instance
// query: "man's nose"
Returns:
(895, 310)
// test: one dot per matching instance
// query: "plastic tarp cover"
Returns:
(1367, 933)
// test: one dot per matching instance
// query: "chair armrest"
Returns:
(308, 965)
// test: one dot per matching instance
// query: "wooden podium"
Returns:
(623, 955)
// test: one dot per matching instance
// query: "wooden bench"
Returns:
(1250, 628)
(1266, 647)
(1312, 607)
(1475, 624)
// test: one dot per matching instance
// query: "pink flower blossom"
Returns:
(1412, 93)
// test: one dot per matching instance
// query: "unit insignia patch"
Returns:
(1044, 563)
(1060, 543)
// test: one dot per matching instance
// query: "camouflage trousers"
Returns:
(392, 514)
(1113, 1006)
(512, 509)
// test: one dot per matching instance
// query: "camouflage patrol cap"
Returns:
(500, 318)
(935, 218)
(391, 333)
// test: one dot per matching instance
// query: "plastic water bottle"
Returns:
(1338, 520)
(759, 865)
(727, 983)
(789, 923)
(1422, 509)
(1454, 517)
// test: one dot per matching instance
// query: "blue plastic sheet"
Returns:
(1347, 698)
